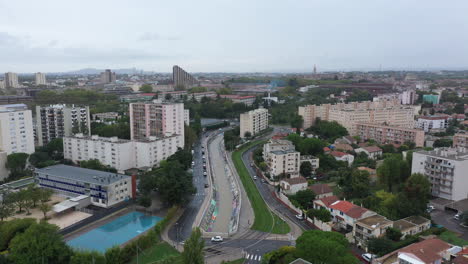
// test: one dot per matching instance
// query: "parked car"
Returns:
(430, 208)
(193, 163)
(263, 180)
(206, 185)
(299, 216)
(368, 257)
(217, 239)
(457, 216)
(255, 177)
(204, 173)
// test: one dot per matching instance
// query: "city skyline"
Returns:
(228, 36)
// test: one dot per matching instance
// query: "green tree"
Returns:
(328, 130)
(114, 255)
(380, 246)
(193, 248)
(393, 234)
(45, 207)
(321, 214)
(284, 254)
(9, 229)
(247, 134)
(80, 257)
(389, 173)
(415, 196)
(324, 247)
(297, 122)
(40, 243)
(306, 169)
(20, 199)
(303, 199)
(146, 88)
(360, 183)
(17, 161)
(439, 143)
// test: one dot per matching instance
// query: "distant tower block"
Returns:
(315, 69)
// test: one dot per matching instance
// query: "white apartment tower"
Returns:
(40, 78)
(16, 129)
(156, 119)
(253, 121)
(11, 80)
(446, 169)
(58, 121)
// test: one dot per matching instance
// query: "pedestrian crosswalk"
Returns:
(252, 258)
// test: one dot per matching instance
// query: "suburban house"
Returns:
(325, 202)
(345, 214)
(314, 161)
(429, 251)
(293, 185)
(343, 147)
(321, 190)
(412, 225)
(338, 155)
(370, 227)
(372, 173)
(373, 152)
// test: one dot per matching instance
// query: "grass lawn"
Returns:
(237, 261)
(452, 238)
(155, 253)
(263, 216)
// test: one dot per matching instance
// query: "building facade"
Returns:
(431, 98)
(182, 78)
(408, 97)
(156, 119)
(121, 154)
(374, 226)
(40, 78)
(58, 121)
(248, 100)
(445, 169)
(389, 134)
(432, 123)
(11, 80)
(105, 188)
(460, 141)
(253, 122)
(16, 129)
(285, 162)
(389, 112)
(108, 76)
(199, 96)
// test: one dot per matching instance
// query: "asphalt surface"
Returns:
(183, 227)
(445, 218)
(221, 183)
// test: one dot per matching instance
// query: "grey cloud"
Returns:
(152, 36)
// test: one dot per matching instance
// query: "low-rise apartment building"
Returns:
(121, 154)
(389, 134)
(432, 123)
(446, 169)
(429, 251)
(412, 225)
(284, 162)
(374, 226)
(253, 122)
(373, 152)
(293, 185)
(345, 214)
(314, 161)
(105, 188)
(342, 156)
(248, 100)
(199, 96)
(321, 190)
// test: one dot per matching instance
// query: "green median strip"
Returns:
(263, 217)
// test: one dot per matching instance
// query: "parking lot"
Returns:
(445, 218)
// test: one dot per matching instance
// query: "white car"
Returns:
(457, 216)
(368, 257)
(255, 177)
(299, 216)
(217, 239)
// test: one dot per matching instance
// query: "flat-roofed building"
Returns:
(40, 78)
(432, 123)
(284, 162)
(446, 169)
(182, 79)
(389, 134)
(412, 225)
(374, 226)
(16, 129)
(253, 122)
(199, 96)
(105, 188)
(460, 141)
(246, 99)
(11, 80)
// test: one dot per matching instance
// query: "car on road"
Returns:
(299, 216)
(204, 173)
(203, 156)
(193, 163)
(255, 177)
(263, 180)
(368, 257)
(457, 216)
(430, 208)
(206, 185)
(217, 239)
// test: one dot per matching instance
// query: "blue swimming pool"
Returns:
(114, 233)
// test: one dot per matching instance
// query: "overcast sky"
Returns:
(232, 35)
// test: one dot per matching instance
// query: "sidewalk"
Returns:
(165, 236)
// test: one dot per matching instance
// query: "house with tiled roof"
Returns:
(293, 185)
(412, 225)
(429, 251)
(321, 190)
(345, 214)
(373, 152)
(338, 155)
(374, 226)
(325, 202)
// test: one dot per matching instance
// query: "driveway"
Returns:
(445, 218)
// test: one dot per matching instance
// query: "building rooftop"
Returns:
(428, 251)
(296, 180)
(403, 225)
(338, 153)
(320, 188)
(283, 152)
(374, 221)
(82, 174)
(372, 149)
(416, 219)
(446, 153)
(13, 107)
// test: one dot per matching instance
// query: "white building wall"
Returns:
(16, 129)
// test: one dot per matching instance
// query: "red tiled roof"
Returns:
(296, 180)
(338, 153)
(427, 250)
(326, 149)
(356, 212)
(463, 252)
(320, 188)
(329, 200)
(343, 206)
(460, 260)
(372, 149)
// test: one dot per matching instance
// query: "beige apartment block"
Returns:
(460, 141)
(253, 121)
(284, 161)
(389, 134)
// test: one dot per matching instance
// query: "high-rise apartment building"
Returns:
(108, 76)
(121, 154)
(16, 129)
(408, 97)
(58, 121)
(40, 78)
(11, 80)
(2, 84)
(432, 123)
(182, 78)
(156, 119)
(446, 169)
(460, 141)
(382, 112)
(285, 162)
(253, 122)
(389, 134)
